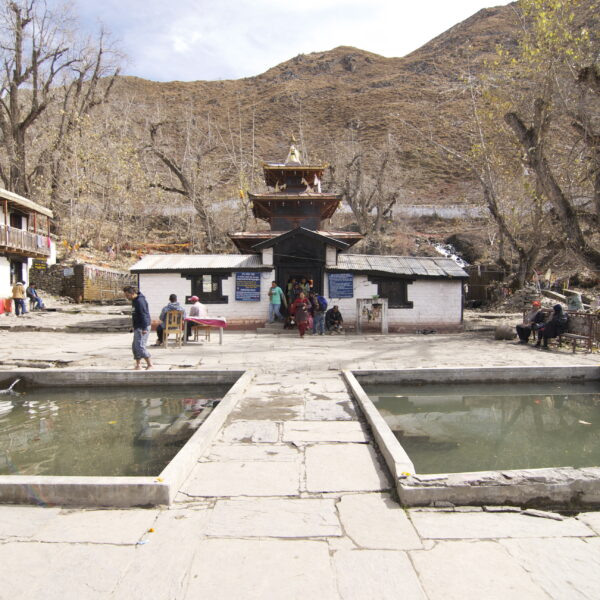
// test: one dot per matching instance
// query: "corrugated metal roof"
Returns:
(399, 265)
(185, 262)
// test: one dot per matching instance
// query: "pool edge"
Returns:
(561, 487)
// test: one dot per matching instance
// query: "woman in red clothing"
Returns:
(301, 311)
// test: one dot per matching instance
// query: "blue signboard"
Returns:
(247, 286)
(341, 285)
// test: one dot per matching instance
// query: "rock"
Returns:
(505, 332)
(532, 512)
(466, 245)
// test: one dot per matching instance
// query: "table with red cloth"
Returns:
(219, 322)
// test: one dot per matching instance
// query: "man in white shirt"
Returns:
(197, 310)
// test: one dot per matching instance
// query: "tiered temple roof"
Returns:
(296, 201)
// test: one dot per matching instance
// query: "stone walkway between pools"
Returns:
(293, 501)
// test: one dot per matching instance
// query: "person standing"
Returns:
(276, 299)
(18, 294)
(141, 323)
(319, 308)
(300, 310)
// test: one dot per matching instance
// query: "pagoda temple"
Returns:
(295, 209)
(417, 292)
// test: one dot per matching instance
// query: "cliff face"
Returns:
(329, 94)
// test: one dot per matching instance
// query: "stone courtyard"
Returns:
(292, 500)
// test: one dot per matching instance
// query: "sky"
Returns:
(190, 40)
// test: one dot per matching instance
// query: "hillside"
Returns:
(327, 94)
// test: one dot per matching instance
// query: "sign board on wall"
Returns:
(341, 285)
(247, 286)
(39, 264)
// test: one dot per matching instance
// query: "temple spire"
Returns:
(293, 157)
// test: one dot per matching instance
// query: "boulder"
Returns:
(505, 332)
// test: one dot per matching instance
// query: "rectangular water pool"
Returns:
(107, 431)
(452, 428)
(525, 436)
(113, 438)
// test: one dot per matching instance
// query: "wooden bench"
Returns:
(582, 328)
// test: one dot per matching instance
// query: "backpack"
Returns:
(322, 303)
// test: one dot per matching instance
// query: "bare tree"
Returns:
(555, 120)
(44, 66)
(371, 182)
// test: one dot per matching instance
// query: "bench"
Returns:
(582, 328)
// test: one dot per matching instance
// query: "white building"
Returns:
(422, 293)
(24, 238)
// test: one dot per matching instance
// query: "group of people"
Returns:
(535, 322)
(305, 308)
(20, 294)
(142, 323)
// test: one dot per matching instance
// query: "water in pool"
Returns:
(100, 432)
(453, 428)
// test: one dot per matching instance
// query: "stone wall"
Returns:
(83, 283)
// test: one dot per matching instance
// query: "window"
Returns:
(208, 287)
(395, 290)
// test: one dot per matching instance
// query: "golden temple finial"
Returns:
(293, 156)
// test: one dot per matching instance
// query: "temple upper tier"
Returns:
(295, 200)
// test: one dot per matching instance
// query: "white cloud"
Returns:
(221, 39)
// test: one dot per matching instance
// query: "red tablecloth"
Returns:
(210, 322)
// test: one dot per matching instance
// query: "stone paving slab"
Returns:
(375, 521)
(262, 570)
(34, 570)
(564, 568)
(251, 432)
(161, 565)
(473, 571)
(243, 479)
(380, 574)
(24, 521)
(444, 525)
(591, 519)
(249, 452)
(274, 517)
(327, 410)
(324, 431)
(274, 406)
(98, 526)
(344, 467)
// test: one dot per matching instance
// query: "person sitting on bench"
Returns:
(553, 328)
(534, 317)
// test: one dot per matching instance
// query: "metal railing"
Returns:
(13, 238)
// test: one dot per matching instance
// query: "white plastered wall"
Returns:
(158, 286)
(436, 303)
(5, 286)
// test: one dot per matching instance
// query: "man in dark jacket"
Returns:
(553, 328)
(173, 305)
(333, 320)
(141, 326)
